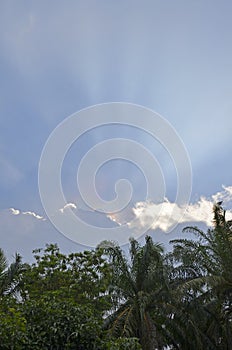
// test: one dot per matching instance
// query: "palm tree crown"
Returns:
(9, 274)
(138, 285)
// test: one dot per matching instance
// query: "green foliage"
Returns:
(61, 302)
(122, 344)
(12, 325)
(54, 324)
(79, 277)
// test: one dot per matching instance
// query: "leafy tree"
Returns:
(12, 325)
(63, 299)
(122, 344)
(59, 324)
(82, 277)
(60, 306)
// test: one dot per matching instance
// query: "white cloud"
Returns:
(39, 217)
(30, 213)
(15, 211)
(167, 214)
(68, 205)
(225, 196)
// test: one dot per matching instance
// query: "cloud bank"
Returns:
(165, 215)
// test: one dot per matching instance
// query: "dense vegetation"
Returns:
(102, 299)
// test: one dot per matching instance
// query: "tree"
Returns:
(64, 298)
(82, 277)
(9, 275)
(139, 287)
(12, 325)
(60, 324)
(60, 306)
(204, 275)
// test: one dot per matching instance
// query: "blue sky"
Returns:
(174, 57)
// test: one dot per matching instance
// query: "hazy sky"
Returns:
(57, 57)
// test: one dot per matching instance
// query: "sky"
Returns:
(56, 59)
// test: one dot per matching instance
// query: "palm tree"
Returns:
(9, 274)
(139, 286)
(204, 275)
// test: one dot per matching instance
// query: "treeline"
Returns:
(102, 299)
